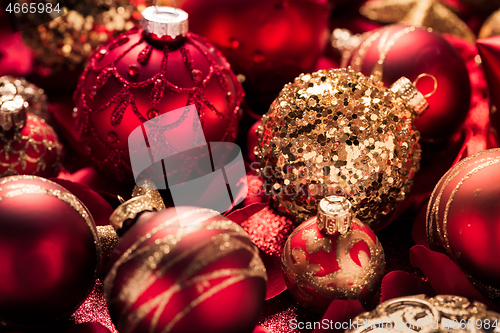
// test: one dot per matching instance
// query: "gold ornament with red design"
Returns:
(145, 73)
(28, 145)
(463, 219)
(332, 256)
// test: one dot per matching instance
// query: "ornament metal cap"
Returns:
(145, 197)
(164, 23)
(334, 215)
(12, 106)
(408, 91)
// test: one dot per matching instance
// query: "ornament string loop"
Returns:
(160, 12)
(432, 77)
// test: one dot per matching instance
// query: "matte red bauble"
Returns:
(49, 252)
(332, 256)
(185, 270)
(399, 50)
(141, 75)
(463, 218)
(269, 42)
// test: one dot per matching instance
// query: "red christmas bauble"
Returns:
(463, 218)
(133, 79)
(49, 252)
(269, 42)
(322, 262)
(28, 145)
(409, 51)
(205, 276)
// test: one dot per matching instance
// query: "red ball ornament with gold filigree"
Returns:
(398, 50)
(463, 219)
(268, 42)
(185, 269)
(332, 256)
(145, 73)
(49, 252)
(28, 145)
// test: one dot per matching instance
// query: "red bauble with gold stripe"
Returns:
(49, 252)
(463, 218)
(205, 276)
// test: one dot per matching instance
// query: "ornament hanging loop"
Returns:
(433, 78)
(159, 12)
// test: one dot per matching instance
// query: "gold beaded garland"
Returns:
(338, 132)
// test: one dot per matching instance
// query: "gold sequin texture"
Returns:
(108, 238)
(66, 42)
(338, 132)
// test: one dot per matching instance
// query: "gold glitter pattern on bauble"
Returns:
(338, 132)
(418, 313)
(18, 148)
(157, 259)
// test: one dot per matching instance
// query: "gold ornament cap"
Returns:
(12, 106)
(334, 215)
(145, 198)
(163, 23)
(408, 91)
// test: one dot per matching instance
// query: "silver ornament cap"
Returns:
(12, 106)
(407, 90)
(164, 23)
(334, 215)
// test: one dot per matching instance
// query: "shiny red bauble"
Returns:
(408, 51)
(463, 218)
(49, 252)
(269, 42)
(131, 80)
(319, 268)
(205, 276)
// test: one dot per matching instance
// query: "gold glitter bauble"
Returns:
(491, 27)
(338, 132)
(420, 13)
(66, 42)
(442, 313)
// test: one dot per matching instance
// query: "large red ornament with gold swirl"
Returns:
(321, 264)
(185, 269)
(134, 78)
(463, 219)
